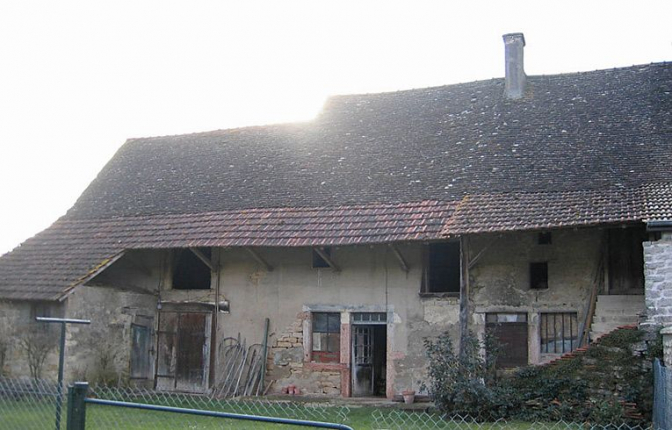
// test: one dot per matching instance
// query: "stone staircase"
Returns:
(612, 312)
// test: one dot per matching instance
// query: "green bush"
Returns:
(587, 388)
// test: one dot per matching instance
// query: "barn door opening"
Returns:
(509, 331)
(369, 354)
(183, 362)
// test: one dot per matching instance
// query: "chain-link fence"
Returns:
(111, 417)
(29, 404)
(393, 419)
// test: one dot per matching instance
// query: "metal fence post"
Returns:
(77, 406)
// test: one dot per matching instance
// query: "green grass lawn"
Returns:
(40, 415)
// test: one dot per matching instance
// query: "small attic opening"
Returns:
(189, 272)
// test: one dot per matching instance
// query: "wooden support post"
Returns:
(203, 258)
(327, 259)
(464, 292)
(259, 259)
(402, 261)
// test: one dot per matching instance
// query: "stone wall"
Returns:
(500, 280)
(16, 324)
(287, 366)
(658, 280)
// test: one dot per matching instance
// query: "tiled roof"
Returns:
(62, 255)
(482, 213)
(578, 149)
(602, 129)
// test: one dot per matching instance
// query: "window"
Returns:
(318, 261)
(544, 238)
(539, 276)
(442, 269)
(189, 272)
(326, 337)
(559, 332)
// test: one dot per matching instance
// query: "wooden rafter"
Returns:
(478, 256)
(203, 258)
(402, 261)
(259, 259)
(327, 259)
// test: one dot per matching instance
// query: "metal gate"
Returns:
(662, 406)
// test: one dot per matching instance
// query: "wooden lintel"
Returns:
(327, 259)
(478, 256)
(203, 258)
(259, 259)
(402, 261)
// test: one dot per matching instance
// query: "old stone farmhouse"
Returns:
(538, 207)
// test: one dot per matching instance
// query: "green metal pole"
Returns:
(59, 393)
(77, 406)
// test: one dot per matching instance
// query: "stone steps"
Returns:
(612, 312)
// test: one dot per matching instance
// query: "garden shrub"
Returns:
(590, 387)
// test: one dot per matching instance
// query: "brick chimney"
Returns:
(515, 73)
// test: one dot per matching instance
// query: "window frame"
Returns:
(177, 263)
(429, 284)
(322, 355)
(573, 340)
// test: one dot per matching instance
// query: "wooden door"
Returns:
(140, 347)
(183, 351)
(511, 333)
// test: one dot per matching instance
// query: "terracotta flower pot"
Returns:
(409, 396)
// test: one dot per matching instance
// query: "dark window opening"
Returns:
(190, 273)
(626, 265)
(318, 261)
(539, 276)
(442, 271)
(559, 332)
(327, 337)
(544, 238)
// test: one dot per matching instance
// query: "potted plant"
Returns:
(409, 396)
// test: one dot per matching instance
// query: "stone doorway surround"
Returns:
(345, 365)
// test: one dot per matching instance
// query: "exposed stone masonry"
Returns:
(658, 280)
(286, 365)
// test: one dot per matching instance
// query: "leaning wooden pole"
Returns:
(264, 357)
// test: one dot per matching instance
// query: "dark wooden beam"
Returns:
(203, 258)
(259, 259)
(402, 261)
(478, 256)
(327, 259)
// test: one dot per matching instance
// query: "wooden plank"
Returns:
(259, 259)
(478, 256)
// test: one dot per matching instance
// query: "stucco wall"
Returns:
(370, 280)
(108, 337)
(499, 281)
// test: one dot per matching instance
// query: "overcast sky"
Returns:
(77, 78)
